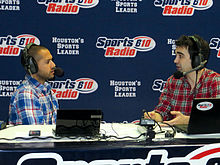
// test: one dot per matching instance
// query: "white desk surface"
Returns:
(20, 133)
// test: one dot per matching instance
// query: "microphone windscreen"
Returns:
(58, 72)
(178, 74)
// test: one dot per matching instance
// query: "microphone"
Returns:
(180, 74)
(58, 72)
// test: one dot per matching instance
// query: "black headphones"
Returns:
(28, 62)
(196, 55)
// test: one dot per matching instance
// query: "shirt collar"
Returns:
(186, 83)
(45, 88)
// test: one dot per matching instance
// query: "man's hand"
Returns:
(179, 118)
(153, 115)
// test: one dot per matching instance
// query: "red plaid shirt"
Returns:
(178, 96)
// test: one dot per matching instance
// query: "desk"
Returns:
(182, 151)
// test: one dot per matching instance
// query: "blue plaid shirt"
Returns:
(33, 103)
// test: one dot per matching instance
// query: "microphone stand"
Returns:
(194, 90)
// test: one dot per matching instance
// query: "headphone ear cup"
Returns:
(196, 60)
(32, 65)
(197, 57)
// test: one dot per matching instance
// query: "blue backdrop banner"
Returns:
(116, 54)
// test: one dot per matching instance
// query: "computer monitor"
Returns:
(78, 122)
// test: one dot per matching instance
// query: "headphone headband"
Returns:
(196, 56)
(27, 47)
(196, 41)
(28, 61)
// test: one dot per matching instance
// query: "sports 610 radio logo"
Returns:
(71, 89)
(125, 47)
(182, 7)
(205, 155)
(11, 46)
(67, 6)
(215, 44)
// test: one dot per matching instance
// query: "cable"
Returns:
(154, 121)
(72, 137)
(167, 133)
(49, 137)
(174, 131)
(125, 137)
(114, 129)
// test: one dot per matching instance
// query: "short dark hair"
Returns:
(32, 51)
(194, 46)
